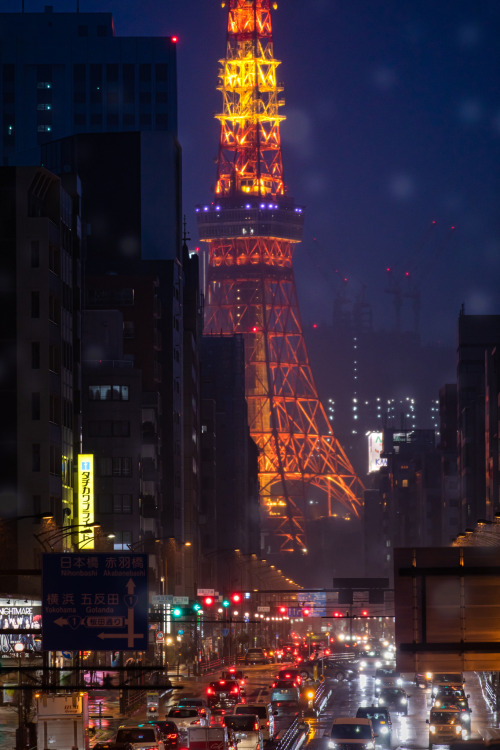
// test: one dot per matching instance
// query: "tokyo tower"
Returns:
(252, 227)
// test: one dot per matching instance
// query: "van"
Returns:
(348, 730)
(445, 726)
(256, 656)
(446, 678)
(264, 713)
(245, 730)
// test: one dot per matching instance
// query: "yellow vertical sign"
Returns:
(86, 500)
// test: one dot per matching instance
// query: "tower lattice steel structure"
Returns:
(251, 227)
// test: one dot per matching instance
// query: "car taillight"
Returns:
(210, 691)
(256, 727)
(267, 723)
(172, 736)
(235, 690)
(196, 721)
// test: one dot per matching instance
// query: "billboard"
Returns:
(447, 605)
(86, 500)
(375, 448)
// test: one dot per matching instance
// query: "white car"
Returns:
(245, 730)
(185, 717)
(264, 713)
(139, 736)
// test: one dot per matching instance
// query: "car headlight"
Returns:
(363, 664)
(378, 664)
(399, 681)
(377, 681)
(458, 729)
(370, 745)
(384, 730)
(332, 744)
(432, 729)
(465, 717)
(403, 701)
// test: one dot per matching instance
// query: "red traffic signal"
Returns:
(306, 612)
(338, 614)
(364, 613)
(236, 598)
(283, 610)
(208, 601)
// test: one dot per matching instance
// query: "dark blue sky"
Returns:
(393, 121)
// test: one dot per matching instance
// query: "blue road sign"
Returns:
(94, 602)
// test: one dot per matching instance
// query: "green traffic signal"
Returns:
(226, 603)
(177, 612)
(197, 607)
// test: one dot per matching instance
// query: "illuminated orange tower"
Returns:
(251, 227)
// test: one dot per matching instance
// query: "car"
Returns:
(395, 698)
(456, 700)
(245, 730)
(199, 703)
(440, 679)
(169, 732)
(256, 656)
(184, 716)
(285, 690)
(286, 708)
(290, 674)
(264, 713)
(380, 719)
(353, 732)
(423, 679)
(223, 694)
(451, 692)
(446, 726)
(387, 677)
(232, 673)
(138, 736)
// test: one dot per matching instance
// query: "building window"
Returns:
(35, 355)
(128, 329)
(35, 253)
(54, 358)
(79, 119)
(102, 31)
(35, 457)
(55, 461)
(35, 406)
(128, 120)
(161, 72)
(83, 31)
(145, 73)
(122, 504)
(116, 466)
(122, 540)
(35, 304)
(108, 393)
(54, 409)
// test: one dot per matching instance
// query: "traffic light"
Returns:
(226, 603)
(197, 606)
(283, 610)
(364, 613)
(208, 601)
(177, 612)
(338, 614)
(236, 598)
(306, 612)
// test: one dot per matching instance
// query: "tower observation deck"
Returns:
(252, 226)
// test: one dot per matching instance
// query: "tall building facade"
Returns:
(477, 336)
(40, 387)
(80, 100)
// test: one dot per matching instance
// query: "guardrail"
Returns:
(294, 736)
(321, 697)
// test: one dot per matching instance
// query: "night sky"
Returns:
(393, 123)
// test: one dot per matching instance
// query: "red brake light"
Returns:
(235, 690)
(210, 691)
(232, 669)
